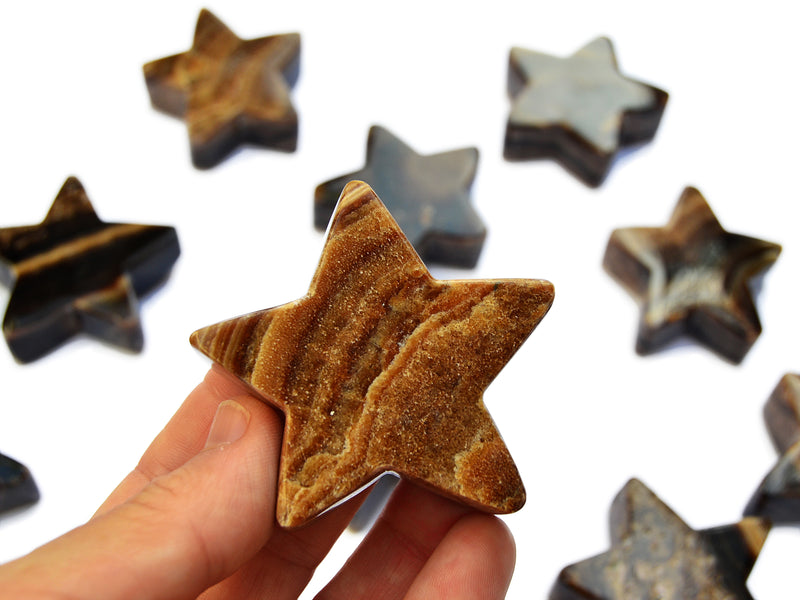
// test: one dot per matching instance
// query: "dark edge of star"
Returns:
(18, 489)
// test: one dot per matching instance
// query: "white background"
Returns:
(579, 410)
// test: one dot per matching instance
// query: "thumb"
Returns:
(182, 533)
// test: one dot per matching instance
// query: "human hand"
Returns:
(197, 518)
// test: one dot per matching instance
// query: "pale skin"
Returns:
(196, 519)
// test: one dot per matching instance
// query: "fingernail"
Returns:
(229, 424)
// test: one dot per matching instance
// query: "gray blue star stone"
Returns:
(577, 110)
(428, 195)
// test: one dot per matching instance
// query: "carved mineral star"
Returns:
(228, 90)
(691, 277)
(655, 555)
(428, 196)
(382, 368)
(578, 110)
(778, 496)
(74, 273)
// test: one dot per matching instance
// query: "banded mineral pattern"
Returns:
(655, 555)
(691, 277)
(74, 273)
(382, 368)
(228, 90)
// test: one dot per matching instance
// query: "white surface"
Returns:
(580, 411)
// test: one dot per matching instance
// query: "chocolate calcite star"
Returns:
(428, 196)
(691, 277)
(17, 487)
(778, 495)
(654, 555)
(381, 368)
(74, 273)
(577, 110)
(228, 90)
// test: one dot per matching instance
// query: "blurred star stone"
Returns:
(577, 110)
(228, 90)
(17, 487)
(74, 273)
(654, 554)
(691, 277)
(428, 196)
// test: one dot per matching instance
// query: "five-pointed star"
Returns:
(691, 277)
(74, 273)
(655, 555)
(578, 110)
(381, 368)
(228, 90)
(428, 196)
(778, 496)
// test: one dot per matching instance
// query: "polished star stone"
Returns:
(654, 555)
(74, 273)
(691, 277)
(577, 110)
(381, 368)
(17, 487)
(778, 496)
(428, 196)
(228, 90)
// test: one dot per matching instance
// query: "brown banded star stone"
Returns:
(691, 277)
(578, 110)
(381, 368)
(228, 90)
(778, 495)
(654, 555)
(73, 273)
